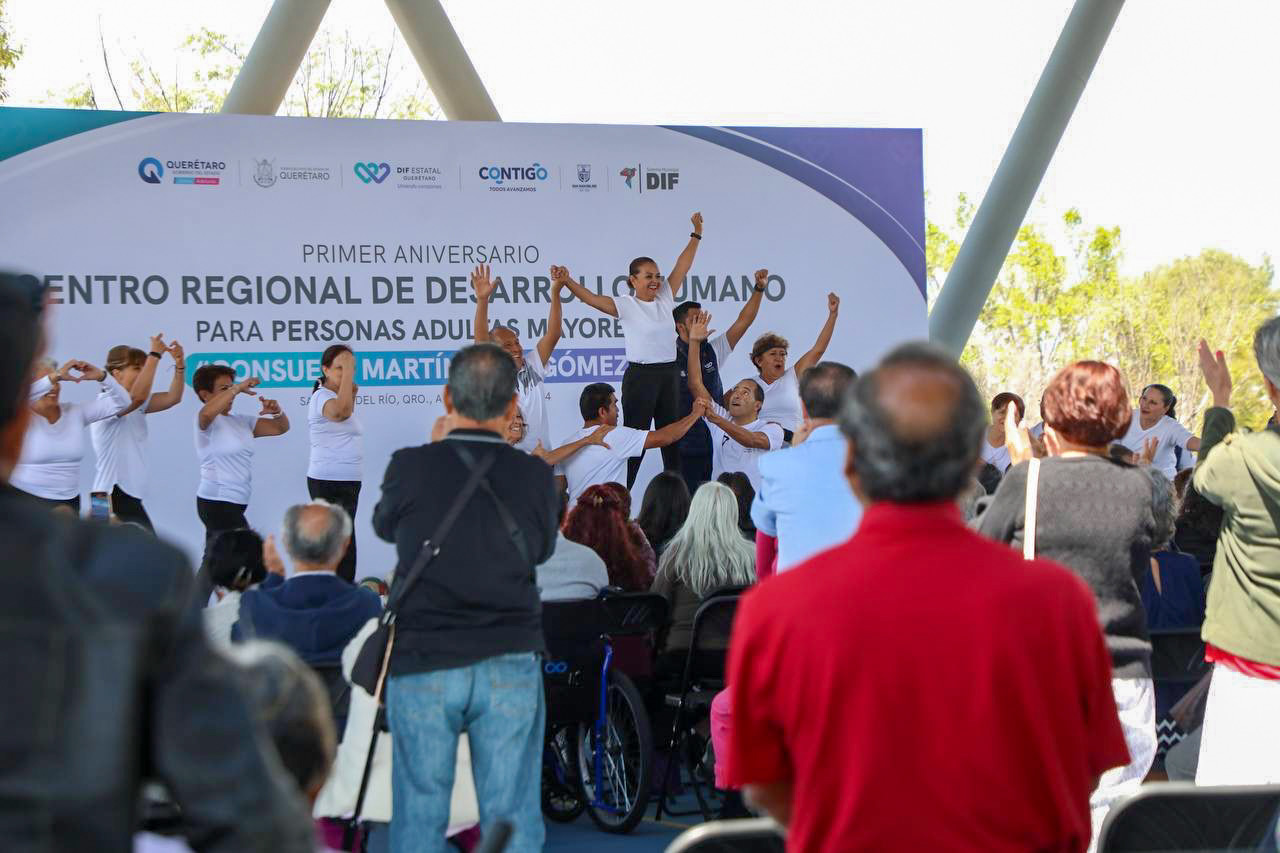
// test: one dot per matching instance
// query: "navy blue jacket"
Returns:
(316, 615)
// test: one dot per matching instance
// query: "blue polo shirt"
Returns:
(804, 499)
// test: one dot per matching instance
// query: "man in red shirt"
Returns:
(920, 687)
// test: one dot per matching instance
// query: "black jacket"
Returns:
(107, 679)
(478, 598)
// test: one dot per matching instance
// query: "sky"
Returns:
(1174, 140)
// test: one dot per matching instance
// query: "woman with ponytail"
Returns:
(119, 441)
(651, 385)
(1156, 435)
(337, 445)
(600, 521)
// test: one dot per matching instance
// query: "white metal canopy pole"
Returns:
(443, 60)
(275, 57)
(1020, 171)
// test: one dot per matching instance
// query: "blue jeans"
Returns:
(499, 703)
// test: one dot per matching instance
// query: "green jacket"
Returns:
(1241, 473)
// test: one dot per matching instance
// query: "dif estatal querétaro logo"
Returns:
(372, 172)
(200, 173)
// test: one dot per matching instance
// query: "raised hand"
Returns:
(597, 437)
(698, 322)
(833, 303)
(762, 278)
(696, 219)
(1149, 448)
(269, 407)
(1216, 374)
(271, 556)
(1017, 439)
(175, 350)
(157, 343)
(539, 451)
(442, 427)
(481, 283)
(346, 360)
(64, 374)
(701, 407)
(559, 276)
(802, 433)
(89, 371)
(246, 386)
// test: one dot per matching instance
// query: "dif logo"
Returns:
(651, 180)
(151, 170)
(371, 172)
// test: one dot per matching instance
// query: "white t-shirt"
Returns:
(997, 456)
(49, 466)
(782, 401)
(595, 464)
(118, 444)
(1168, 431)
(531, 397)
(226, 458)
(337, 447)
(728, 455)
(648, 329)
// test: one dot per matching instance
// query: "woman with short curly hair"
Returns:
(1096, 516)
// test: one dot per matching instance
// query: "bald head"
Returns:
(914, 425)
(316, 535)
(510, 342)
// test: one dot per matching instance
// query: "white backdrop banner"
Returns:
(258, 241)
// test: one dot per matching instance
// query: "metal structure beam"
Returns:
(1018, 176)
(443, 60)
(275, 57)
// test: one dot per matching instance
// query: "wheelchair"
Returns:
(598, 753)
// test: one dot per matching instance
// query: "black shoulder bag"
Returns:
(370, 669)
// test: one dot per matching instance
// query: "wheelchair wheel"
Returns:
(618, 800)
(562, 797)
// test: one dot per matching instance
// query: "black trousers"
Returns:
(346, 494)
(126, 507)
(216, 516)
(695, 470)
(651, 393)
(54, 503)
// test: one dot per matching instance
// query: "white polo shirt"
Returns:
(225, 450)
(337, 447)
(118, 443)
(728, 455)
(997, 456)
(1170, 434)
(595, 464)
(782, 400)
(648, 328)
(49, 466)
(531, 396)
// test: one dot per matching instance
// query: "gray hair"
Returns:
(899, 464)
(291, 704)
(482, 381)
(306, 544)
(708, 551)
(1163, 507)
(1266, 349)
(46, 364)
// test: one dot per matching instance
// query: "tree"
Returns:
(10, 51)
(1051, 307)
(338, 78)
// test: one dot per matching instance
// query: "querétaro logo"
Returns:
(371, 172)
(264, 173)
(524, 178)
(150, 170)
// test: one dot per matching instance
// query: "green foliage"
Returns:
(10, 51)
(1050, 307)
(338, 78)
